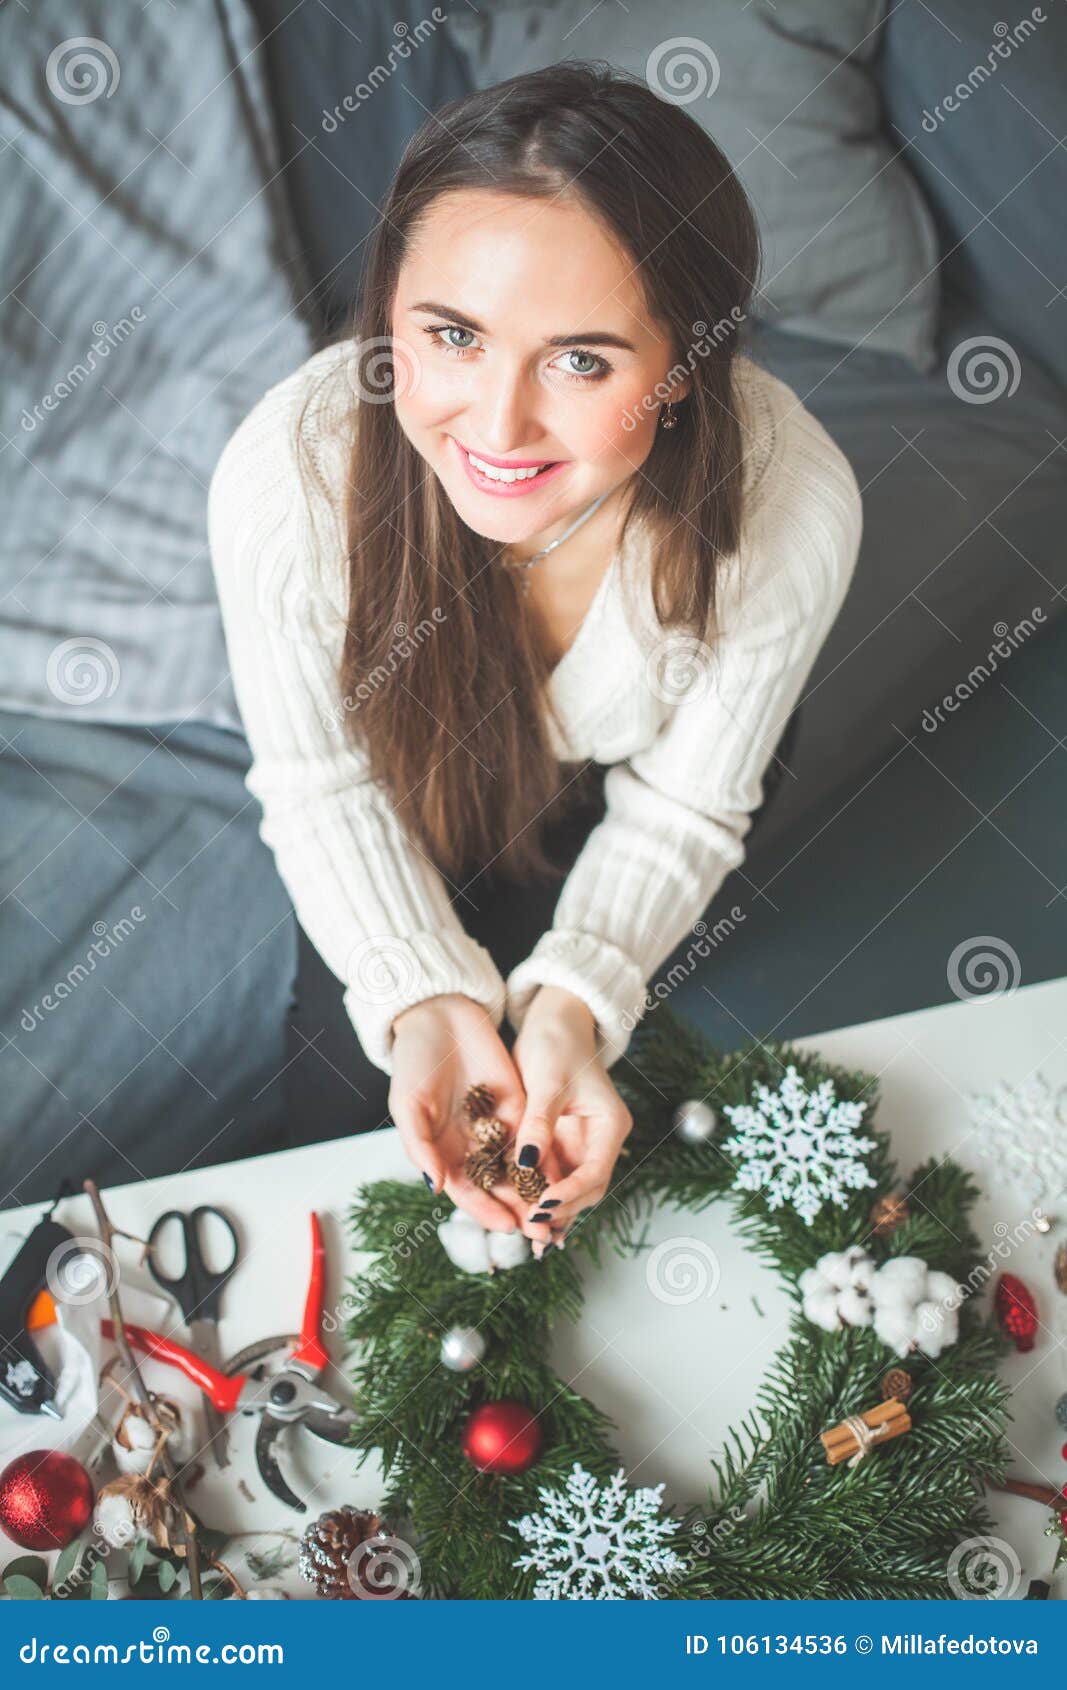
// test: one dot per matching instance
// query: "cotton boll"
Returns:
(813, 1280)
(894, 1324)
(936, 1327)
(115, 1521)
(464, 1242)
(863, 1272)
(820, 1306)
(942, 1288)
(903, 1278)
(854, 1306)
(837, 1265)
(508, 1249)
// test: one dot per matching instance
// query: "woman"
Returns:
(535, 513)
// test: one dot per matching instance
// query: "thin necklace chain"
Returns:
(526, 564)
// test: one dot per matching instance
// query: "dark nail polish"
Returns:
(429, 1182)
(550, 1202)
(529, 1156)
(542, 1216)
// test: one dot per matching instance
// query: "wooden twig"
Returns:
(238, 1587)
(140, 1390)
(1045, 1494)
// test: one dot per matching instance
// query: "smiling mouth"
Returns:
(506, 474)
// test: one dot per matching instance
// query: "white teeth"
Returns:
(494, 474)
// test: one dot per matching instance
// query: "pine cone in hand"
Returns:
(484, 1168)
(528, 1182)
(489, 1133)
(327, 1547)
(478, 1101)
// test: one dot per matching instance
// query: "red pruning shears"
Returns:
(288, 1397)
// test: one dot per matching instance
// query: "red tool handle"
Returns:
(219, 1388)
(311, 1351)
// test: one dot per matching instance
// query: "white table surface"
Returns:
(673, 1377)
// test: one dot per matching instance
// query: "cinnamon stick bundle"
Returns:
(888, 1420)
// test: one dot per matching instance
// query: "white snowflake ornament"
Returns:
(1023, 1130)
(599, 1542)
(799, 1146)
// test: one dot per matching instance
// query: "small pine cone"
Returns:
(897, 1383)
(478, 1101)
(328, 1544)
(528, 1182)
(887, 1213)
(489, 1133)
(484, 1168)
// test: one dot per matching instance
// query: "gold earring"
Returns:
(668, 418)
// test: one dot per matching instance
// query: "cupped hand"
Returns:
(442, 1046)
(574, 1119)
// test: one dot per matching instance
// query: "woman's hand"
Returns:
(574, 1118)
(442, 1046)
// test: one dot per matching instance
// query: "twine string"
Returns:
(866, 1436)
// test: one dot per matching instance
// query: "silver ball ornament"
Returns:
(695, 1121)
(1061, 1410)
(462, 1348)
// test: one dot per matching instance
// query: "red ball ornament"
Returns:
(1016, 1311)
(46, 1499)
(502, 1437)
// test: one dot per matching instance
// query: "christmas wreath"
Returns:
(860, 1469)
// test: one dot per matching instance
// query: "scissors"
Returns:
(288, 1397)
(197, 1289)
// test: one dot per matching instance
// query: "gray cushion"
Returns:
(149, 294)
(964, 510)
(851, 252)
(991, 160)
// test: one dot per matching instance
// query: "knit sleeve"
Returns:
(372, 904)
(677, 812)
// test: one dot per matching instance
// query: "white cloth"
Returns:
(685, 769)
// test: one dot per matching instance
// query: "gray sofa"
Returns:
(207, 1034)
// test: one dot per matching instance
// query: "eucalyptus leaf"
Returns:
(167, 1576)
(65, 1562)
(22, 1588)
(28, 1567)
(98, 1582)
(136, 1560)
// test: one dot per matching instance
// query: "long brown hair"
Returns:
(458, 739)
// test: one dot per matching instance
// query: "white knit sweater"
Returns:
(688, 731)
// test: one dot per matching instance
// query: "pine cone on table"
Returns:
(328, 1545)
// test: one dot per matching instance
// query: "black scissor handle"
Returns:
(198, 1287)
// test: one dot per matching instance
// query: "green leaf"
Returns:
(65, 1562)
(98, 1582)
(167, 1576)
(28, 1567)
(135, 1563)
(23, 1589)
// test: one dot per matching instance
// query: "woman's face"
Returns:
(524, 338)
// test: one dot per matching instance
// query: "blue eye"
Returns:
(599, 366)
